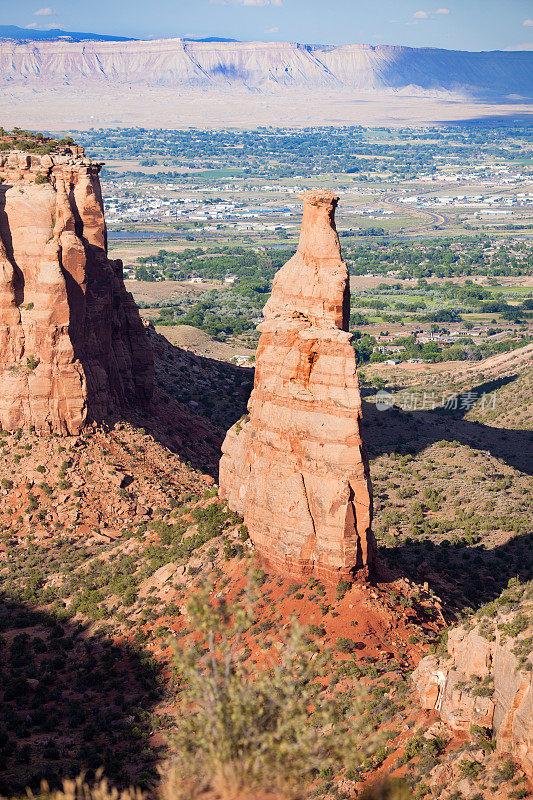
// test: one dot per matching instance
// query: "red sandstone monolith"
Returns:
(72, 345)
(296, 467)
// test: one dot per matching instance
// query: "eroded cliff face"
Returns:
(296, 467)
(264, 67)
(486, 679)
(72, 345)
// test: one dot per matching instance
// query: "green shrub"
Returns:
(345, 645)
(241, 728)
(259, 576)
(469, 769)
(483, 738)
(413, 747)
(342, 588)
(507, 770)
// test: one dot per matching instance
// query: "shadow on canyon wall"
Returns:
(411, 431)
(209, 396)
(72, 701)
(7, 242)
(466, 575)
(196, 400)
(463, 575)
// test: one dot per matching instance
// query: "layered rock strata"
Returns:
(295, 466)
(72, 345)
(480, 682)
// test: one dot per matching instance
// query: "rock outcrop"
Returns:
(295, 466)
(72, 344)
(486, 680)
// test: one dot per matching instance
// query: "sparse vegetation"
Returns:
(250, 729)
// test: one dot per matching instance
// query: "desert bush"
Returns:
(345, 645)
(469, 769)
(79, 789)
(279, 728)
(413, 747)
(395, 789)
(482, 738)
(507, 770)
(342, 587)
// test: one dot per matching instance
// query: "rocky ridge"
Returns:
(72, 344)
(483, 684)
(295, 466)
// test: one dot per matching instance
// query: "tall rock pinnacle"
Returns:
(72, 344)
(295, 466)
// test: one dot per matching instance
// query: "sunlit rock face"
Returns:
(444, 683)
(296, 467)
(72, 345)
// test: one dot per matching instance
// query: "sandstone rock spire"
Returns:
(296, 467)
(72, 344)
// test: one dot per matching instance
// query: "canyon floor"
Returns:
(82, 108)
(105, 536)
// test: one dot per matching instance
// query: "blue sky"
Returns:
(453, 24)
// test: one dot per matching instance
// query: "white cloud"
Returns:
(275, 29)
(34, 26)
(418, 16)
(249, 3)
(527, 46)
(528, 23)
(45, 12)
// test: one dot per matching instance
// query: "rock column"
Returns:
(72, 345)
(295, 466)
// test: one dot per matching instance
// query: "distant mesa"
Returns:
(73, 347)
(211, 39)
(16, 34)
(295, 466)
(92, 62)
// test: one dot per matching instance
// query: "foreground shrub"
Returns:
(394, 789)
(79, 789)
(280, 728)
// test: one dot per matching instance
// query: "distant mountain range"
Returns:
(265, 67)
(16, 34)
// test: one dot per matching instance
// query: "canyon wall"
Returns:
(72, 345)
(266, 67)
(295, 466)
(481, 681)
